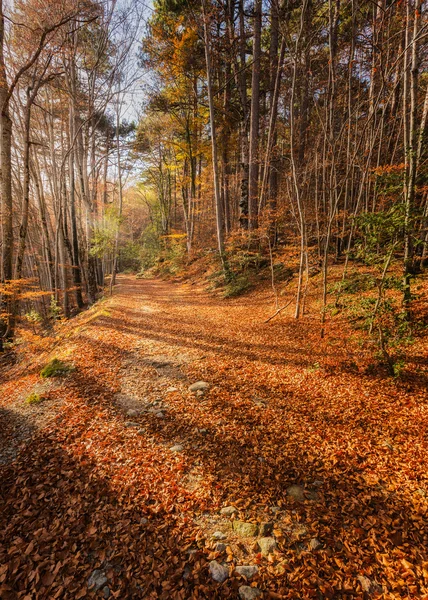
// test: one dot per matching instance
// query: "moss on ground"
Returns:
(55, 368)
(34, 398)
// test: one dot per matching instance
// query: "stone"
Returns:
(144, 521)
(366, 583)
(200, 393)
(132, 412)
(177, 448)
(265, 529)
(199, 386)
(247, 571)
(245, 529)
(249, 593)
(228, 511)
(159, 415)
(106, 592)
(141, 432)
(218, 572)
(97, 580)
(172, 389)
(314, 544)
(218, 535)
(131, 424)
(219, 547)
(296, 492)
(369, 586)
(267, 545)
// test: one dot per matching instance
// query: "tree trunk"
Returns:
(217, 194)
(254, 122)
(6, 322)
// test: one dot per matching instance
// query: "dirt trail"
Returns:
(123, 482)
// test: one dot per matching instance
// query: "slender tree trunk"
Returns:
(217, 194)
(120, 193)
(243, 129)
(6, 322)
(412, 151)
(77, 278)
(254, 120)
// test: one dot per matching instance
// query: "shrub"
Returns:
(237, 285)
(34, 398)
(55, 368)
(54, 309)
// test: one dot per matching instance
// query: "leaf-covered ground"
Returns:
(95, 486)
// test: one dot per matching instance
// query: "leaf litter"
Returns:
(335, 461)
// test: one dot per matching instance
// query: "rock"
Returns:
(218, 535)
(218, 572)
(228, 511)
(177, 448)
(200, 393)
(296, 492)
(141, 432)
(144, 521)
(366, 583)
(245, 529)
(199, 386)
(97, 580)
(106, 592)
(267, 545)
(265, 529)
(249, 593)
(159, 415)
(219, 547)
(247, 571)
(172, 389)
(130, 424)
(314, 544)
(132, 412)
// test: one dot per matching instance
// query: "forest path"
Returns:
(122, 486)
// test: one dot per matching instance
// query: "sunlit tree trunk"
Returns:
(253, 178)
(6, 322)
(216, 175)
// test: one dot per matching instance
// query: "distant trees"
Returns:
(318, 109)
(60, 68)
